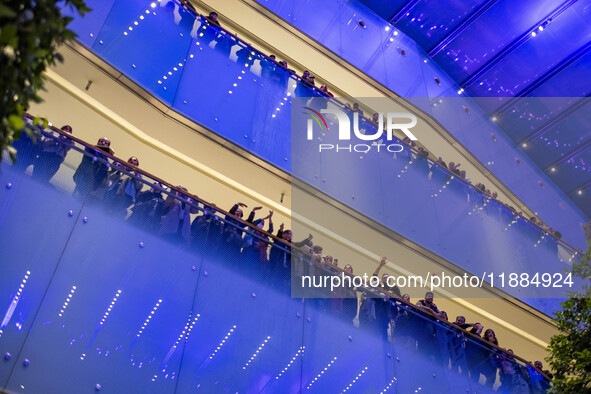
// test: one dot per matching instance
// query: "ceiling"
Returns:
(531, 59)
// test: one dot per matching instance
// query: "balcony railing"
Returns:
(108, 231)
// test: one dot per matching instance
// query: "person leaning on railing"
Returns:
(91, 173)
(123, 193)
(254, 249)
(176, 223)
(514, 376)
(280, 257)
(52, 153)
(148, 209)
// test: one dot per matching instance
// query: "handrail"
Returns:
(415, 309)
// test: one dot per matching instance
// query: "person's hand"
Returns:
(310, 236)
(242, 205)
(256, 208)
(270, 214)
(383, 260)
(281, 227)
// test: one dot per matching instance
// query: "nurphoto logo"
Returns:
(394, 121)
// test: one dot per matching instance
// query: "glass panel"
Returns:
(32, 242)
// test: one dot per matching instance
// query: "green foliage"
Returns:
(30, 32)
(570, 356)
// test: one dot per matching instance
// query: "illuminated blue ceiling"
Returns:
(516, 49)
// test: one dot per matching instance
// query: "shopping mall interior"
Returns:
(174, 272)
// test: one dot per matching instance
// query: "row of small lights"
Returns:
(67, 300)
(354, 380)
(141, 330)
(174, 69)
(476, 210)
(222, 343)
(539, 240)
(300, 351)
(442, 187)
(255, 354)
(187, 330)
(110, 307)
(330, 364)
(512, 223)
(389, 385)
(18, 293)
(405, 169)
(136, 23)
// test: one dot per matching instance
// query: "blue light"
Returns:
(149, 317)
(14, 303)
(300, 351)
(256, 353)
(110, 307)
(68, 299)
(228, 334)
(355, 380)
(330, 364)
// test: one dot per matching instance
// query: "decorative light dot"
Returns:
(533, 34)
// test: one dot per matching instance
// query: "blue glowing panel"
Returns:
(298, 14)
(428, 22)
(149, 42)
(561, 85)
(564, 137)
(88, 28)
(352, 31)
(29, 256)
(574, 172)
(490, 34)
(533, 58)
(385, 9)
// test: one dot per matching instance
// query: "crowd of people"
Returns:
(247, 245)
(307, 86)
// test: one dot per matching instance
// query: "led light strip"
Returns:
(255, 354)
(300, 351)
(141, 330)
(68, 299)
(330, 364)
(222, 343)
(354, 380)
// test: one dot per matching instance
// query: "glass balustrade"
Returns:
(210, 76)
(113, 280)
